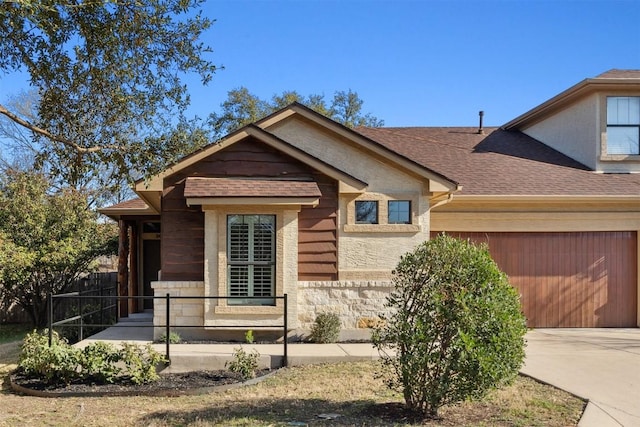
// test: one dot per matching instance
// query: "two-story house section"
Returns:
(596, 122)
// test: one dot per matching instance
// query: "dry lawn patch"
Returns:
(295, 395)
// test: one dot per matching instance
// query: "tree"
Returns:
(346, 108)
(47, 239)
(242, 107)
(101, 183)
(14, 138)
(457, 328)
(108, 78)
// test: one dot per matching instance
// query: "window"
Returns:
(623, 125)
(151, 227)
(399, 212)
(251, 258)
(383, 213)
(366, 212)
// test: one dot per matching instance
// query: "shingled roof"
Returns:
(196, 187)
(619, 74)
(501, 162)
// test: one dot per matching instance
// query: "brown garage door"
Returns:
(570, 279)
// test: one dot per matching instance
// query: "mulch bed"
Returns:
(173, 384)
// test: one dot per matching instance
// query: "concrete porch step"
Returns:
(144, 317)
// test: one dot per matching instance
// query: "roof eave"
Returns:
(601, 198)
(117, 214)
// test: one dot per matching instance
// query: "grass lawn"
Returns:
(293, 395)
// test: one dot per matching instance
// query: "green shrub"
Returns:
(174, 338)
(457, 328)
(99, 362)
(141, 362)
(326, 328)
(56, 363)
(243, 363)
(248, 337)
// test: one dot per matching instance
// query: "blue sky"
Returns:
(416, 63)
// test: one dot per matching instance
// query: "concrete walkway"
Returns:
(600, 365)
(186, 357)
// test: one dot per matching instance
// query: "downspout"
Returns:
(442, 202)
(447, 199)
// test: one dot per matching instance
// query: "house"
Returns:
(298, 204)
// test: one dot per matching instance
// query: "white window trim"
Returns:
(604, 156)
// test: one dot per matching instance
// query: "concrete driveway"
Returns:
(602, 365)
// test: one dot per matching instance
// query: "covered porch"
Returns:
(138, 254)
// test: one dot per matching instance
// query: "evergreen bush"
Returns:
(457, 329)
(326, 328)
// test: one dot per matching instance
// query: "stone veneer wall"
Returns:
(183, 312)
(359, 303)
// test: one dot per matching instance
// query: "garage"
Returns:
(571, 280)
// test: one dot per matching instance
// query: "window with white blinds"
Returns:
(251, 258)
(623, 125)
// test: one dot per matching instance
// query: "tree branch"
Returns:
(43, 132)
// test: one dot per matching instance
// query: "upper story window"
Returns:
(366, 212)
(623, 125)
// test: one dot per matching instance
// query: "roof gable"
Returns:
(150, 190)
(608, 81)
(437, 180)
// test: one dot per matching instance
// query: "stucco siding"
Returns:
(378, 251)
(371, 253)
(573, 131)
(344, 156)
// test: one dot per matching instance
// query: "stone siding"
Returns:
(358, 303)
(183, 312)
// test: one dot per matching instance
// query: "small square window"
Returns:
(366, 212)
(399, 212)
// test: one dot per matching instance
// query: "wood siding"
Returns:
(182, 235)
(183, 226)
(581, 280)
(317, 235)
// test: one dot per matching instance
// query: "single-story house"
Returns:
(296, 203)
